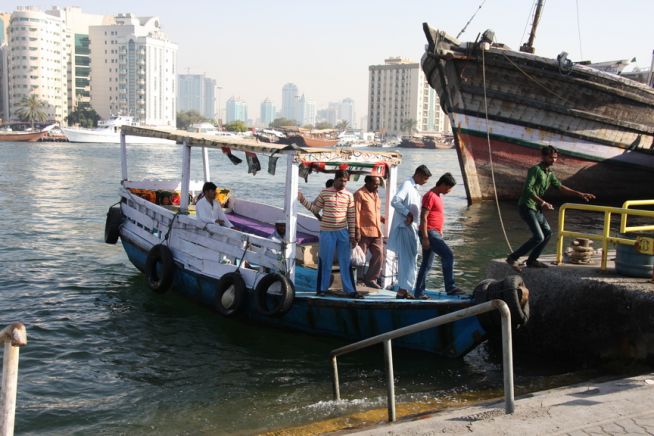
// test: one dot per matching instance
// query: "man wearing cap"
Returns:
(531, 206)
(403, 238)
(368, 227)
(336, 232)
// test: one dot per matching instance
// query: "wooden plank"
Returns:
(141, 233)
(235, 236)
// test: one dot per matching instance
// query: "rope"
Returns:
(581, 53)
(170, 227)
(490, 153)
(532, 79)
(470, 20)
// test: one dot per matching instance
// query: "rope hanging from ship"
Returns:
(470, 20)
(490, 151)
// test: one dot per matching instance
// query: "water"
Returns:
(106, 355)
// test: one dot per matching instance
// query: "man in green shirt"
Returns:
(531, 205)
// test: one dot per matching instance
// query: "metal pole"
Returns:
(390, 380)
(335, 384)
(186, 177)
(123, 155)
(205, 164)
(14, 336)
(507, 358)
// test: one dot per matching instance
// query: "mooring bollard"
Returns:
(14, 336)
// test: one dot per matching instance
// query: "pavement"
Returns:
(623, 406)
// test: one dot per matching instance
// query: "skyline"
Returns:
(325, 48)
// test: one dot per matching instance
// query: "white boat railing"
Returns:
(14, 336)
(385, 338)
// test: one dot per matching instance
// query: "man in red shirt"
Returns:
(431, 237)
(368, 234)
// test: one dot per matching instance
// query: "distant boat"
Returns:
(309, 138)
(601, 123)
(108, 132)
(24, 136)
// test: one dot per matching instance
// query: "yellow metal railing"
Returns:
(605, 237)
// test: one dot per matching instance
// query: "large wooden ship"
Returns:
(504, 105)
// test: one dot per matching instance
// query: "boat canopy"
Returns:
(313, 156)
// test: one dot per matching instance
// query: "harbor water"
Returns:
(106, 355)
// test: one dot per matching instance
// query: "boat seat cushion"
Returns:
(259, 228)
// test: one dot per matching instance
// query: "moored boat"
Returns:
(107, 132)
(24, 136)
(602, 124)
(243, 273)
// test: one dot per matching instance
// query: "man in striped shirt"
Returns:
(336, 232)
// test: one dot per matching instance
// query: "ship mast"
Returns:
(528, 47)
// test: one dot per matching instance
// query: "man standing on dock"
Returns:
(403, 238)
(337, 233)
(531, 205)
(368, 227)
(432, 218)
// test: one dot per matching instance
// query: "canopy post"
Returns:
(123, 155)
(389, 256)
(205, 164)
(290, 209)
(186, 177)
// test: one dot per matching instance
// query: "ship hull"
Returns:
(602, 124)
(107, 136)
(22, 136)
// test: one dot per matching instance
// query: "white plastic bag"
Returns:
(358, 256)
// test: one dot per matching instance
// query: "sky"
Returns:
(253, 47)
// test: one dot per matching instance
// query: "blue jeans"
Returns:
(540, 231)
(436, 246)
(335, 242)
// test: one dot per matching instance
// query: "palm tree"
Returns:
(342, 125)
(408, 125)
(32, 109)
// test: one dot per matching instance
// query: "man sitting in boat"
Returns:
(336, 232)
(208, 209)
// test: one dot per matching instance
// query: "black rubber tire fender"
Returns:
(230, 294)
(284, 290)
(112, 225)
(159, 279)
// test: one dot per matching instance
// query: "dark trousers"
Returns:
(540, 234)
(436, 246)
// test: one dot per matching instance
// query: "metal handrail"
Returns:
(385, 338)
(623, 221)
(605, 237)
(14, 336)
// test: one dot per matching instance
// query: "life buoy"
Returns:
(274, 295)
(513, 292)
(230, 294)
(112, 225)
(159, 268)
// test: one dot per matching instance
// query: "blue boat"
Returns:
(243, 273)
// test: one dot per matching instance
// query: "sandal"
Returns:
(404, 295)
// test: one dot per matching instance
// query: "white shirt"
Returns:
(209, 213)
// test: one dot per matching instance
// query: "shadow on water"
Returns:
(107, 355)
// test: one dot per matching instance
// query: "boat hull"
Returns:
(602, 124)
(107, 136)
(351, 320)
(22, 136)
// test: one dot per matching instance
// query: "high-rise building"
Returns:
(79, 51)
(289, 101)
(267, 112)
(198, 93)
(305, 111)
(236, 110)
(398, 92)
(133, 70)
(346, 112)
(37, 60)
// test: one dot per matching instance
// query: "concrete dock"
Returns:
(580, 313)
(615, 407)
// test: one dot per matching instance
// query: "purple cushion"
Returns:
(249, 225)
